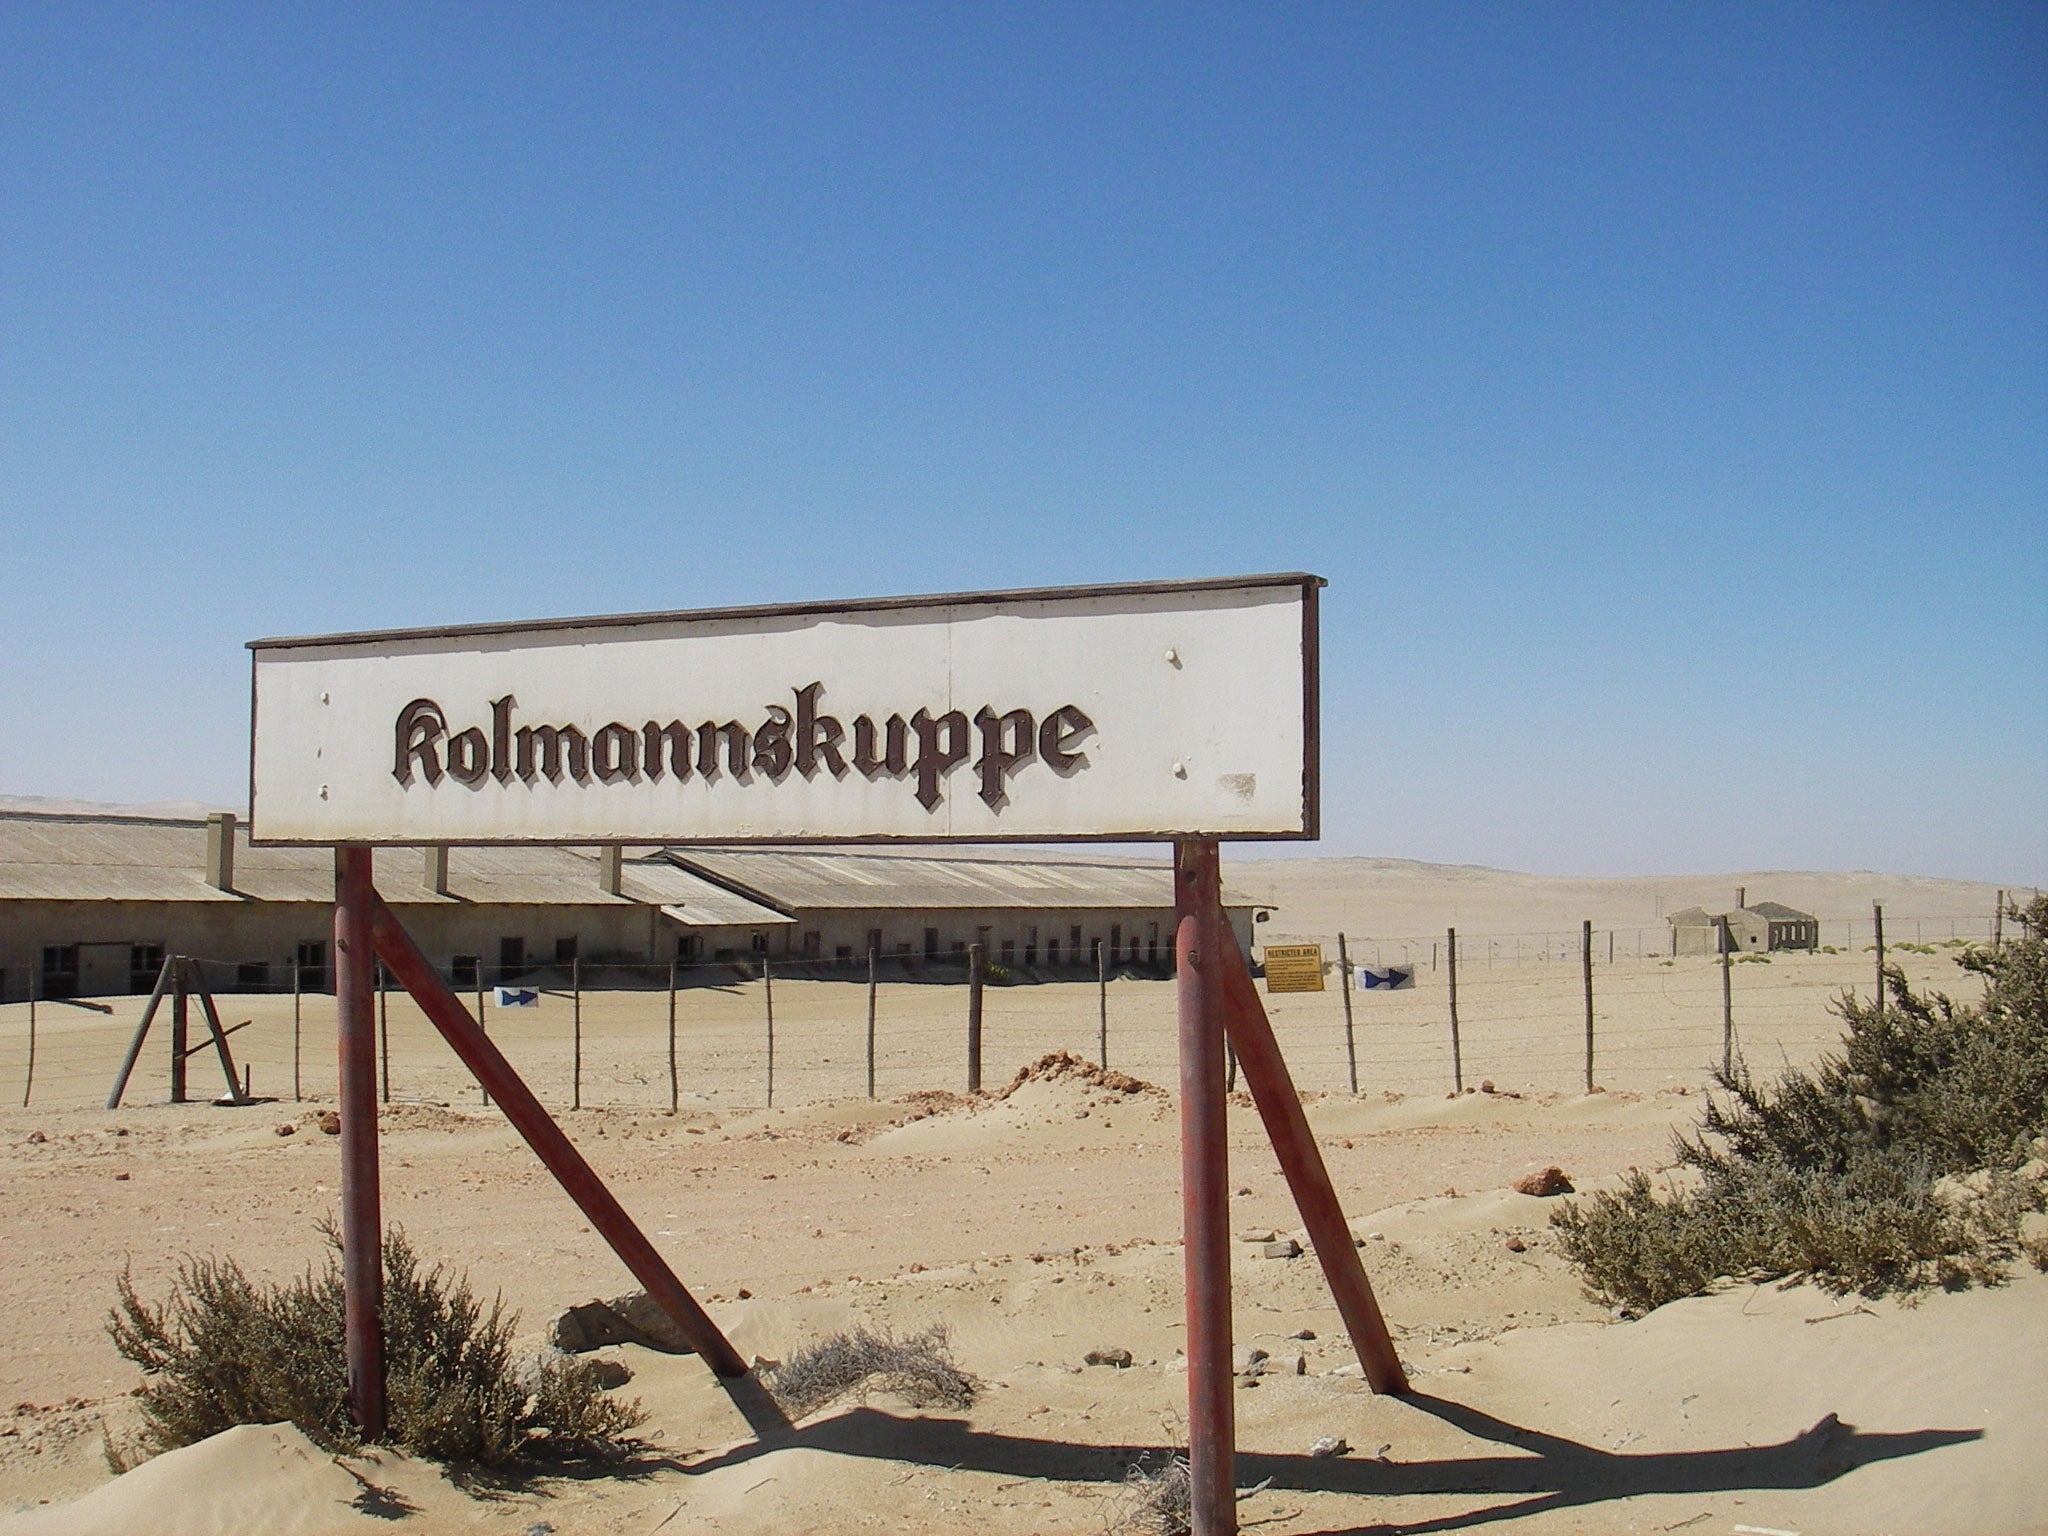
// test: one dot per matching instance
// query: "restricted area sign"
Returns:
(1294, 967)
(1174, 709)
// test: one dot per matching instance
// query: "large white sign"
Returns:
(1184, 708)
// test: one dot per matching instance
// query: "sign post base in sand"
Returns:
(1169, 711)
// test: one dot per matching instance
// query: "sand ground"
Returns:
(1036, 1226)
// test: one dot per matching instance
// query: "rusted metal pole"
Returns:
(1265, 1072)
(362, 1221)
(768, 998)
(1199, 972)
(976, 960)
(871, 1021)
(576, 1032)
(297, 993)
(487, 1062)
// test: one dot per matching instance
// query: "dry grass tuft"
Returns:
(919, 1369)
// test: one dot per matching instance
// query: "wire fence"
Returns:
(727, 1036)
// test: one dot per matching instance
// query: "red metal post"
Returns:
(398, 952)
(1199, 970)
(362, 1222)
(1265, 1073)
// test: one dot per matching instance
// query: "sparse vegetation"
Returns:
(919, 1369)
(1156, 1502)
(225, 1350)
(1890, 1166)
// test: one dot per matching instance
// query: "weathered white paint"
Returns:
(1199, 698)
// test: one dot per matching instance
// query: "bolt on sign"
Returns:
(1294, 967)
(1173, 709)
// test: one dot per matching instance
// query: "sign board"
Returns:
(1392, 978)
(1178, 709)
(518, 997)
(1294, 967)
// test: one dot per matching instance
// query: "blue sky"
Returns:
(1663, 390)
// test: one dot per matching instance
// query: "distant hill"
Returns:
(158, 810)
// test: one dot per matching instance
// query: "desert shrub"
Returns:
(1839, 1172)
(920, 1369)
(225, 1350)
(1156, 1501)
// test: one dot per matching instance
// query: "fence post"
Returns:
(768, 995)
(298, 989)
(975, 961)
(675, 1093)
(1877, 923)
(28, 1085)
(1457, 1055)
(1727, 998)
(180, 1017)
(1350, 1040)
(1998, 924)
(576, 1032)
(1586, 961)
(480, 1027)
(383, 1034)
(871, 1021)
(1101, 1006)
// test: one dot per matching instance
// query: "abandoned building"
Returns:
(90, 905)
(1753, 928)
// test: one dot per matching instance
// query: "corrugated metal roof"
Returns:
(113, 858)
(1778, 912)
(820, 881)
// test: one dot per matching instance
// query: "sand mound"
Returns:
(254, 1477)
(1064, 1066)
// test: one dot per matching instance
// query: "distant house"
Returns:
(1756, 928)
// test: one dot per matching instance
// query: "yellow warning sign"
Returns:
(1294, 967)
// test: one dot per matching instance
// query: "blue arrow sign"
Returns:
(518, 997)
(1392, 979)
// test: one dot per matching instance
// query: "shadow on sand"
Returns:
(1550, 1472)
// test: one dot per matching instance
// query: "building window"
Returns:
(931, 943)
(312, 966)
(760, 944)
(465, 969)
(511, 958)
(565, 950)
(689, 947)
(959, 946)
(874, 941)
(1052, 951)
(811, 943)
(253, 975)
(145, 964)
(60, 970)
(1009, 952)
(844, 954)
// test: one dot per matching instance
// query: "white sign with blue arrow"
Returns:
(1392, 978)
(518, 997)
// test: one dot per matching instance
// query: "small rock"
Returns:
(1516, 1245)
(330, 1122)
(540, 1528)
(609, 1373)
(1302, 1333)
(287, 1129)
(123, 1176)
(1547, 1181)
(1487, 1086)
(1257, 1235)
(1249, 1359)
(1285, 1248)
(36, 1138)
(1119, 1358)
(1283, 1365)
(1330, 1445)
(633, 1318)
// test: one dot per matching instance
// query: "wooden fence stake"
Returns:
(1101, 1006)
(29, 1083)
(1586, 957)
(576, 1032)
(383, 1036)
(1877, 922)
(1350, 1040)
(977, 961)
(871, 1021)
(1457, 1054)
(675, 1089)
(1727, 999)
(768, 994)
